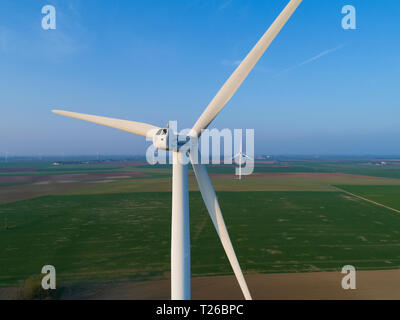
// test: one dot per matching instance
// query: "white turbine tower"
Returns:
(180, 237)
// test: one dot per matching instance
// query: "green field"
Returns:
(109, 221)
(387, 195)
(367, 167)
(110, 236)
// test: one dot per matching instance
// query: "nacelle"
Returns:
(160, 139)
(167, 139)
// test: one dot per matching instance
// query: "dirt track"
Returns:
(368, 200)
(305, 286)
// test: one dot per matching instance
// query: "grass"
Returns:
(94, 236)
(10, 184)
(127, 235)
(157, 182)
(387, 195)
(290, 222)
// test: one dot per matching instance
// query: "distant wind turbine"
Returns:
(240, 157)
(180, 237)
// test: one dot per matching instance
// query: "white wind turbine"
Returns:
(240, 155)
(180, 237)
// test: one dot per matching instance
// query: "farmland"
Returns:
(112, 221)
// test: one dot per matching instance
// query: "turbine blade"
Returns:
(139, 128)
(241, 73)
(211, 202)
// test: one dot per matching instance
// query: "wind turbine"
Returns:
(240, 155)
(180, 237)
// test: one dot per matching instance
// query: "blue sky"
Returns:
(319, 89)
